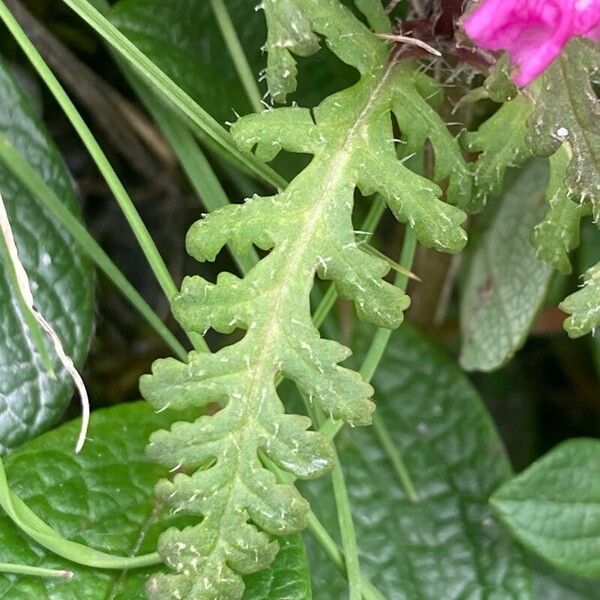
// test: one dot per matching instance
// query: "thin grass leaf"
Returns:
(169, 89)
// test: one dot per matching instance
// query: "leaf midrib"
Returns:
(268, 337)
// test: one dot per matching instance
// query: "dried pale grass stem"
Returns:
(404, 39)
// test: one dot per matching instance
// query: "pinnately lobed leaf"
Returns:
(568, 111)
(501, 141)
(584, 305)
(103, 497)
(307, 230)
(558, 118)
(558, 233)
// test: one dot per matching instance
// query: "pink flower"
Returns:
(533, 32)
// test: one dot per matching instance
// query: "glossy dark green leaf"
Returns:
(104, 497)
(553, 507)
(61, 279)
(447, 544)
(506, 283)
(183, 38)
(288, 577)
(551, 584)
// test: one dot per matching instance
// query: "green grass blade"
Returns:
(34, 571)
(26, 520)
(139, 229)
(237, 54)
(368, 591)
(169, 89)
(347, 530)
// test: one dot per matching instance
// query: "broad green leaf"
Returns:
(501, 142)
(567, 110)
(506, 283)
(307, 230)
(190, 49)
(31, 399)
(553, 507)
(287, 578)
(551, 584)
(446, 545)
(104, 497)
(584, 305)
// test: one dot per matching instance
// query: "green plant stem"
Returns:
(344, 513)
(26, 520)
(139, 229)
(193, 161)
(386, 441)
(370, 365)
(34, 571)
(382, 336)
(368, 591)
(347, 530)
(237, 54)
(169, 89)
(321, 535)
(374, 356)
(28, 177)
